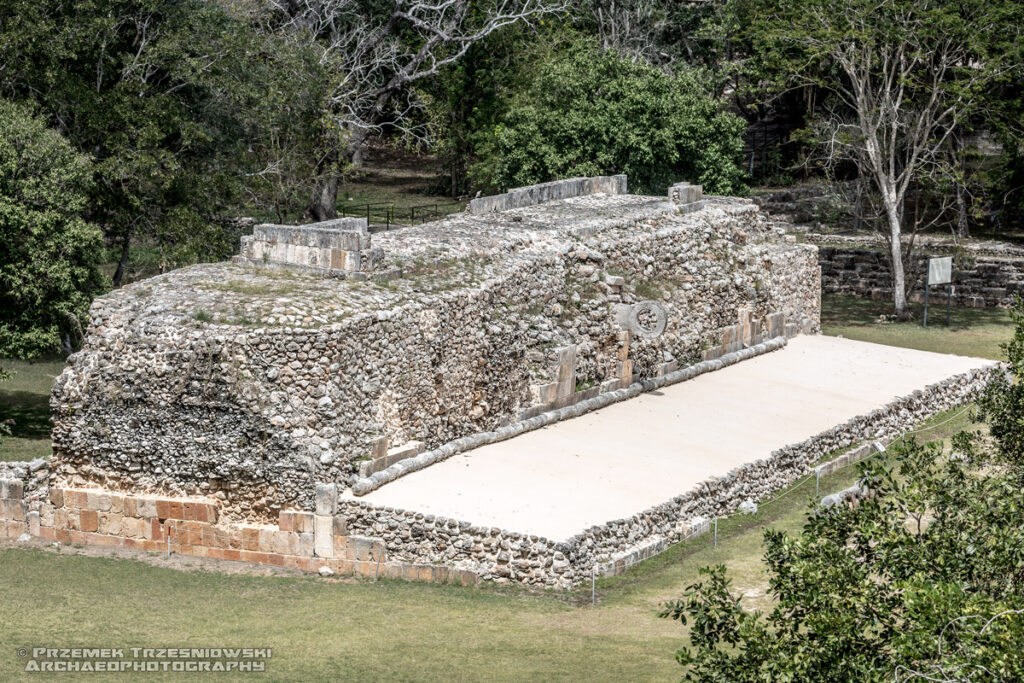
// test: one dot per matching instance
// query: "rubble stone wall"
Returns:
(979, 280)
(504, 555)
(355, 537)
(251, 386)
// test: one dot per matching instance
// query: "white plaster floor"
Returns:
(614, 462)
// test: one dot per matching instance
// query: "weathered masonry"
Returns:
(340, 248)
(325, 357)
(984, 275)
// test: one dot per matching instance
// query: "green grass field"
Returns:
(972, 331)
(393, 630)
(25, 403)
(401, 631)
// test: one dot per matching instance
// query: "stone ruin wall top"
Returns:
(252, 384)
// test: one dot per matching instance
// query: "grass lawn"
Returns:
(25, 399)
(392, 630)
(401, 179)
(972, 331)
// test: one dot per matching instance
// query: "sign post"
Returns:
(940, 272)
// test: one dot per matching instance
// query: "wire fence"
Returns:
(382, 216)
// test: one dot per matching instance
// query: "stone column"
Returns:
(323, 519)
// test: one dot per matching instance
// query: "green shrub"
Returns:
(588, 112)
(49, 255)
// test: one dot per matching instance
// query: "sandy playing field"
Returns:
(617, 461)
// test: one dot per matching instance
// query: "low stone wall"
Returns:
(339, 247)
(979, 281)
(193, 526)
(532, 195)
(931, 244)
(687, 197)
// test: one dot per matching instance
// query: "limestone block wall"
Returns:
(980, 280)
(342, 244)
(289, 381)
(688, 197)
(532, 195)
(306, 541)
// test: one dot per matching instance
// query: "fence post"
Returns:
(926, 297)
(817, 480)
(593, 585)
(716, 532)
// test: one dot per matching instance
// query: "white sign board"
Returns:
(940, 270)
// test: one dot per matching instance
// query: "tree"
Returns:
(371, 56)
(923, 580)
(49, 255)
(173, 99)
(926, 578)
(588, 112)
(1002, 404)
(903, 76)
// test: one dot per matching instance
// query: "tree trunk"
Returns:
(66, 347)
(323, 205)
(858, 220)
(962, 230)
(122, 264)
(899, 285)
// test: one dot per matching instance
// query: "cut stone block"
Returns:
(409, 450)
(326, 499)
(323, 535)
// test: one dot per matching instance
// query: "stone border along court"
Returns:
(226, 410)
(635, 455)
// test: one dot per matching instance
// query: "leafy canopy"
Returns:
(587, 112)
(49, 255)
(180, 103)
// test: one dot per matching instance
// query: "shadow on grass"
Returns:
(845, 310)
(28, 412)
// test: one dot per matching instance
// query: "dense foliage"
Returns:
(169, 97)
(587, 112)
(1002, 404)
(923, 580)
(49, 255)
